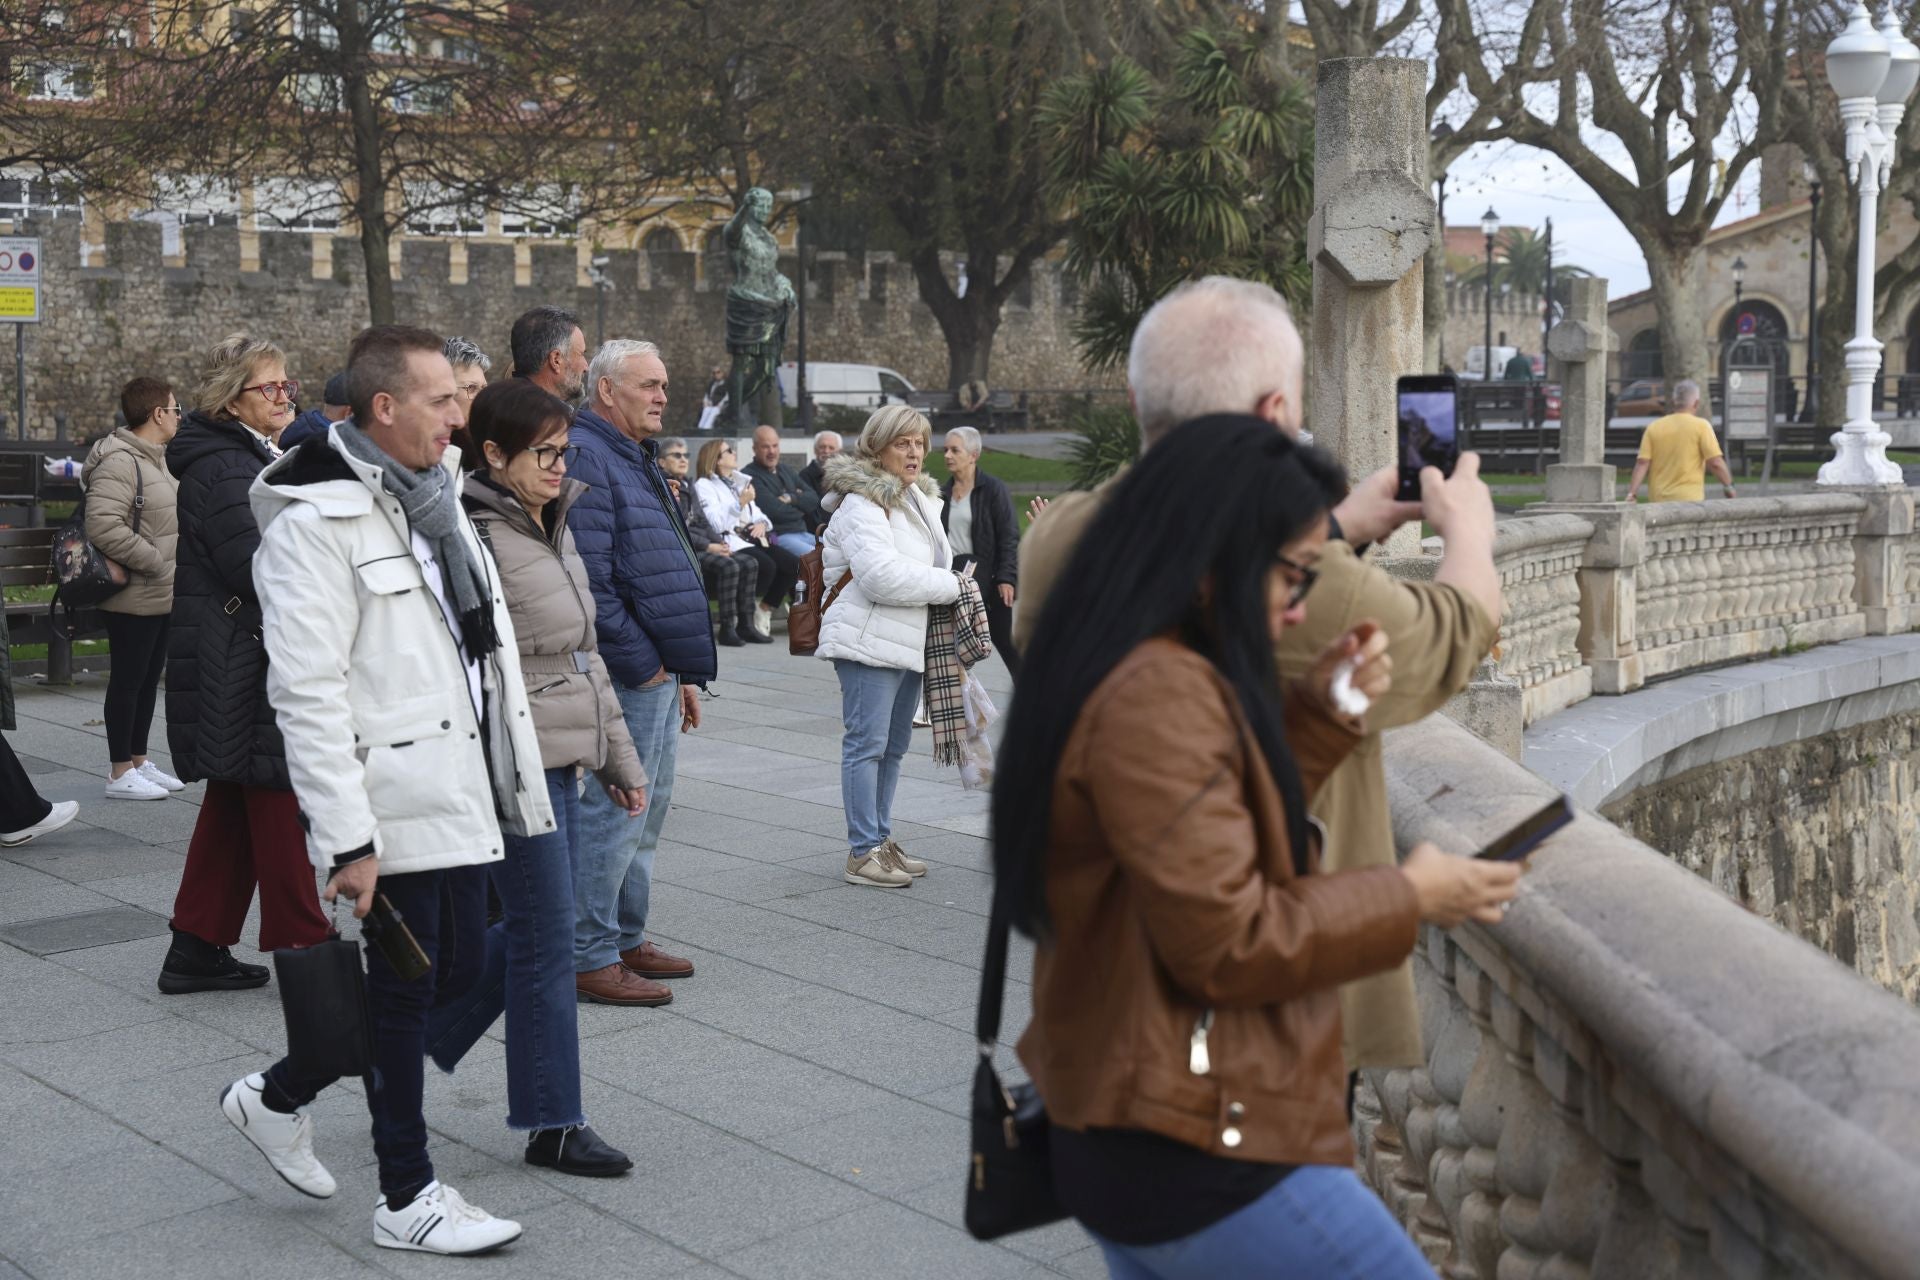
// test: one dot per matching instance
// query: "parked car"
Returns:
(857, 386)
(1476, 363)
(1644, 398)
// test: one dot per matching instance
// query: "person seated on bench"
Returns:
(733, 582)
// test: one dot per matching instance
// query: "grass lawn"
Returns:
(1015, 468)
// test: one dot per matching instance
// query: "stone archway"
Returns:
(1754, 331)
(661, 240)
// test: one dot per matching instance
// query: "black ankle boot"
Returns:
(749, 634)
(578, 1150)
(193, 964)
(728, 636)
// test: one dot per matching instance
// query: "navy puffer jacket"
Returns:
(652, 608)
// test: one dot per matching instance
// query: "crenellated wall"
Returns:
(133, 310)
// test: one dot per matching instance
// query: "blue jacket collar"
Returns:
(600, 426)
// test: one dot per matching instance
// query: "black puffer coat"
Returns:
(219, 723)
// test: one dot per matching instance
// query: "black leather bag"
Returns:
(1010, 1178)
(323, 990)
(84, 576)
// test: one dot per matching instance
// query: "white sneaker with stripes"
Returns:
(439, 1221)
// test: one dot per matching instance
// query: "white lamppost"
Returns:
(1872, 73)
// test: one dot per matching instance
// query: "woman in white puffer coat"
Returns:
(886, 541)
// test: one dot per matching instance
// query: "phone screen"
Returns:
(1428, 414)
(1529, 835)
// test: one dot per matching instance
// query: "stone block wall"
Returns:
(1820, 836)
(129, 312)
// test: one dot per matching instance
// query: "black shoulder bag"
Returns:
(1010, 1181)
(83, 575)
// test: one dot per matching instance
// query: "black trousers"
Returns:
(20, 805)
(139, 648)
(999, 618)
(780, 569)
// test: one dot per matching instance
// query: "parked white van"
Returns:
(858, 386)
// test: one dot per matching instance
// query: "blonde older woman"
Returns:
(219, 723)
(885, 540)
(982, 529)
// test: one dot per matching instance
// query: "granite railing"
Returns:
(1602, 598)
(1631, 1076)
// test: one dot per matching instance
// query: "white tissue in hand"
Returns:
(1349, 700)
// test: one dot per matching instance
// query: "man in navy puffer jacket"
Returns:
(657, 639)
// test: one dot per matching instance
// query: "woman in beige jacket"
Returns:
(518, 498)
(131, 520)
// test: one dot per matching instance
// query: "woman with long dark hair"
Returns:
(1151, 832)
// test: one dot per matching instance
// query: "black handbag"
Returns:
(84, 575)
(1010, 1178)
(323, 990)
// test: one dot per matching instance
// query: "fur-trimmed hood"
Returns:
(845, 475)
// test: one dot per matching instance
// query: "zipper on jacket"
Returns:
(672, 508)
(1199, 1061)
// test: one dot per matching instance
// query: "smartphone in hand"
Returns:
(1427, 407)
(1530, 833)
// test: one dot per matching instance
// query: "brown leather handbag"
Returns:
(809, 607)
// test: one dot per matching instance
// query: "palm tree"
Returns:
(1209, 172)
(1520, 265)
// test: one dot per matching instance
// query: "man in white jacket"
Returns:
(393, 675)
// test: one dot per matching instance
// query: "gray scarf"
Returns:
(431, 502)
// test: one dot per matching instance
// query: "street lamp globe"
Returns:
(1490, 222)
(1858, 58)
(1903, 67)
(1739, 270)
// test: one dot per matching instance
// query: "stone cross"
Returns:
(1368, 239)
(1578, 346)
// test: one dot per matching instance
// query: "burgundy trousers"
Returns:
(249, 836)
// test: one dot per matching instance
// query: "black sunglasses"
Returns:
(1305, 582)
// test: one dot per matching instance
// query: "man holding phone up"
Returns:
(1220, 345)
(395, 678)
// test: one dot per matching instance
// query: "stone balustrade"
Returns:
(1632, 1076)
(1539, 561)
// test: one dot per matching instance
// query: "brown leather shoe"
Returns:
(617, 984)
(650, 961)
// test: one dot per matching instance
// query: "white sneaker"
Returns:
(763, 619)
(160, 777)
(64, 811)
(285, 1140)
(133, 785)
(439, 1221)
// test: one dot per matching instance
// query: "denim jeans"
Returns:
(528, 974)
(446, 911)
(1320, 1221)
(876, 703)
(613, 858)
(798, 543)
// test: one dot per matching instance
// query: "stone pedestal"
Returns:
(1368, 238)
(1608, 639)
(1880, 558)
(1577, 348)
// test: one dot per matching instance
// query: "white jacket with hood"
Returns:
(366, 678)
(888, 533)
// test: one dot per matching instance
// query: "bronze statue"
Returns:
(758, 303)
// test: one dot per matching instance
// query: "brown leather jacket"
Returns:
(1190, 986)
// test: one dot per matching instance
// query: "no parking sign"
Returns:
(20, 279)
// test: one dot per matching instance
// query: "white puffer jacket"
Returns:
(890, 536)
(366, 679)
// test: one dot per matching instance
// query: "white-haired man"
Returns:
(825, 445)
(654, 632)
(1678, 450)
(1219, 345)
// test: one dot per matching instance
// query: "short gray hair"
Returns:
(889, 423)
(613, 353)
(668, 442)
(818, 436)
(464, 351)
(1686, 391)
(1213, 345)
(969, 439)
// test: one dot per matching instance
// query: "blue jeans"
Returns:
(613, 858)
(876, 703)
(1321, 1221)
(528, 974)
(798, 543)
(446, 912)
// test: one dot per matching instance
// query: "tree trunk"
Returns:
(1434, 304)
(967, 323)
(370, 175)
(1686, 351)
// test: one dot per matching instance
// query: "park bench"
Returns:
(26, 560)
(1003, 411)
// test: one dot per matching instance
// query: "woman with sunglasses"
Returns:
(219, 723)
(1150, 831)
(131, 519)
(518, 494)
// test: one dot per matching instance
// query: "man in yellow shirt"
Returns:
(1679, 450)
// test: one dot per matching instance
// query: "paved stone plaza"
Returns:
(798, 1111)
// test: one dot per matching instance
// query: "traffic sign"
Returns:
(20, 279)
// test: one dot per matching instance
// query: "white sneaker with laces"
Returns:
(285, 1140)
(63, 812)
(133, 785)
(160, 777)
(439, 1221)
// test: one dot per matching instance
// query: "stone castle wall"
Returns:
(1515, 314)
(130, 312)
(1821, 836)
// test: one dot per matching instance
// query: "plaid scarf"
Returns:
(956, 639)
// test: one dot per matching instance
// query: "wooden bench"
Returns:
(26, 560)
